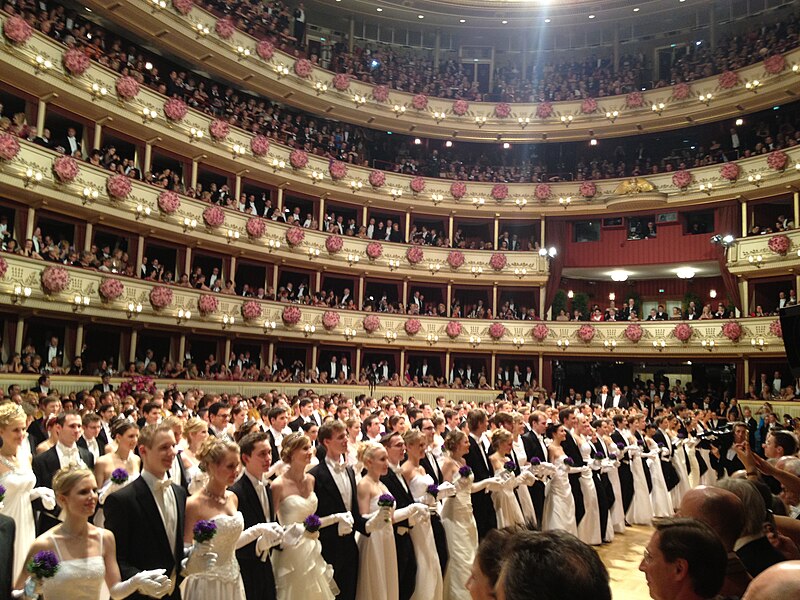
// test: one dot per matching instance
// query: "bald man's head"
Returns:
(779, 582)
(720, 509)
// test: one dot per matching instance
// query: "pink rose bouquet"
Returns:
(774, 64)
(219, 129)
(380, 93)
(586, 333)
(9, 146)
(634, 332)
(683, 332)
(175, 109)
(291, 315)
(502, 110)
(55, 279)
(414, 255)
(453, 329)
(544, 110)
(460, 107)
(540, 332)
(341, 81)
(497, 331)
(265, 49)
(377, 178)
(76, 62)
(542, 192)
(110, 289)
(588, 106)
(298, 158)
(334, 244)
(634, 100)
(732, 330)
(3, 267)
(259, 146)
(251, 310)
(730, 171)
(338, 170)
(256, 227)
(420, 102)
(374, 250)
(779, 244)
(498, 261)
(17, 30)
(303, 67)
(119, 186)
(127, 87)
(417, 185)
(777, 160)
(295, 235)
(500, 191)
(224, 28)
(330, 319)
(458, 189)
(455, 259)
(727, 80)
(160, 297)
(776, 329)
(168, 202)
(682, 179)
(588, 189)
(66, 169)
(214, 216)
(207, 304)
(184, 7)
(371, 323)
(681, 91)
(412, 326)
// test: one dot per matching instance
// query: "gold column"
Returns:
(405, 292)
(139, 255)
(746, 372)
(539, 372)
(237, 187)
(321, 218)
(447, 366)
(494, 300)
(408, 225)
(318, 281)
(494, 369)
(29, 223)
(541, 232)
(796, 208)
(271, 355)
(232, 275)
(450, 228)
(402, 362)
(187, 261)
(19, 335)
(745, 294)
(41, 112)
(279, 201)
(314, 357)
(449, 296)
(275, 277)
(496, 231)
(745, 228)
(182, 348)
(542, 294)
(361, 290)
(358, 360)
(226, 352)
(132, 349)
(148, 157)
(364, 216)
(87, 240)
(78, 340)
(98, 134)
(195, 170)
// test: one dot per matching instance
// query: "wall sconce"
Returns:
(238, 150)
(391, 336)
(712, 294)
(659, 345)
(437, 198)
(99, 91)
(565, 202)
(393, 264)
(705, 98)
(478, 202)
(758, 343)
(520, 202)
(398, 110)
(439, 116)
(795, 68)
(350, 333)
(278, 163)
(43, 63)
(149, 114)
(89, 194)
(658, 108)
(281, 70)
(269, 326)
(476, 271)
(202, 30)
(610, 345)
(79, 302)
(518, 341)
(196, 133)
(20, 293)
(432, 338)
(612, 115)
(356, 185)
(189, 224)
(184, 314)
(612, 296)
(359, 100)
(708, 344)
(228, 321)
(524, 122)
(133, 309)
(273, 245)
(475, 340)
(317, 176)
(434, 268)
(232, 235)
(242, 52)
(706, 187)
(321, 87)
(308, 329)
(562, 343)
(548, 252)
(480, 121)
(353, 259)
(313, 253)
(142, 211)
(753, 85)
(754, 179)
(757, 260)
(396, 193)
(32, 176)
(570, 294)
(159, 4)
(566, 120)
(520, 272)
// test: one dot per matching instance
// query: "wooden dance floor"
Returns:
(622, 558)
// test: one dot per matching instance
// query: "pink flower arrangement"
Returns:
(295, 235)
(681, 91)
(341, 81)
(111, 289)
(291, 315)
(219, 129)
(3, 268)
(338, 170)
(371, 323)
(137, 384)
(374, 250)
(414, 255)
(498, 261)
(303, 67)
(540, 332)
(119, 186)
(544, 110)
(777, 160)
(184, 7)
(251, 310)
(634, 332)
(682, 179)
(779, 244)
(55, 279)
(732, 330)
(412, 326)
(776, 329)
(502, 110)
(76, 62)
(542, 192)
(127, 87)
(588, 189)
(453, 329)
(727, 80)
(224, 28)
(634, 100)
(298, 159)
(380, 93)
(207, 304)
(175, 109)
(265, 49)
(774, 64)
(256, 227)
(214, 216)
(458, 189)
(586, 333)
(334, 244)
(160, 297)
(420, 102)
(683, 332)
(66, 169)
(455, 259)
(730, 171)
(17, 30)
(330, 319)
(417, 185)
(497, 331)
(259, 145)
(9, 146)
(168, 202)
(460, 107)
(377, 178)
(588, 106)
(500, 191)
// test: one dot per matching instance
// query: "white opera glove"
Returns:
(268, 540)
(269, 531)
(292, 535)
(412, 513)
(337, 518)
(109, 488)
(489, 484)
(47, 496)
(198, 559)
(346, 524)
(446, 490)
(664, 451)
(153, 583)
(525, 478)
(420, 514)
(379, 519)
(575, 470)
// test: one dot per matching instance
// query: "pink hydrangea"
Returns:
(295, 235)
(588, 106)
(774, 64)
(219, 129)
(207, 304)
(338, 170)
(380, 93)
(224, 28)
(17, 30)
(586, 333)
(417, 185)
(456, 259)
(776, 329)
(732, 330)
(265, 49)
(168, 202)
(110, 289)
(730, 171)
(259, 145)
(682, 179)
(502, 110)
(681, 91)
(9, 146)
(127, 87)
(540, 332)
(377, 178)
(251, 310)
(55, 279)
(341, 81)
(727, 80)
(303, 68)
(683, 332)
(500, 191)
(371, 323)
(414, 255)
(76, 62)
(779, 244)
(497, 331)
(3, 267)
(542, 191)
(291, 315)
(256, 227)
(119, 186)
(634, 332)
(453, 329)
(420, 102)
(544, 110)
(412, 326)
(588, 189)
(498, 261)
(330, 319)
(634, 100)
(214, 216)
(460, 107)
(175, 109)
(374, 250)
(777, 160)
(66, 169)
(184, 7)
(458, 189)
(160, 297)
(334, 244)
(298, 158)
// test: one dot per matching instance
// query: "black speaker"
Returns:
(790, 326)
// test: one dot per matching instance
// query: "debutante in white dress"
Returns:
(223, 580)
(559, 504)
(616, 515)
(659, 496)
(640, 512)
(429, 584)
(523, 493)
(462, 538)
(505, 501)
(679, 462)
(377, 561)
(76, 578)
(589, 527)
(19, 482)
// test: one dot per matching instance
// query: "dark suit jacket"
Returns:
(37, 432)
(482, 505)
(671, 477)
(142, 543)
(759, 555)
(276, 455)
(46, 465)
(623, 401)
(296, 424)
(571, 449)
(7, 576)
(101, 445)
(406, 561)
(534, 449)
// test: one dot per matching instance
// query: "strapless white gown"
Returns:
(559, 504)
(429, 574)
(76, 578)
(505, 502)
(589, 527)
(659, 495)
(640, 512)
(617, 512)
(17, 505)
(301, 572)
(462, 539)
(377, 559)
(223, 580)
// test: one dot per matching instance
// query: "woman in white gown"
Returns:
(125, 435)
(505, 500)
(377, 554)
(457, 517)
(640, 512)
(559, 504)
(589, 527)
(523, 492)
(87, 554)
(679, 462)
(195, 432)
(659, 495)
(617, 512)
(300, 571)
(429, 585)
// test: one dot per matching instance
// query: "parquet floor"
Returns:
(622, 558)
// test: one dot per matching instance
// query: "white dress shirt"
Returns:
(69, 456)
(342, 481)
(167, 506)
(261, 491)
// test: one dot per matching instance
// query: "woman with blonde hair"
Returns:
(195, 432)
(505, 501)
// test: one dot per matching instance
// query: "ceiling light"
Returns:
(618, 275)
(506, 145)
(547, 20)
(592, 16)
(685, 272)
(417, 141)
(636, 9)
(448, 144)
(739, 122)
(379, 9)
(420, 16)
(593, 142)
(462, 20)
(504, 22)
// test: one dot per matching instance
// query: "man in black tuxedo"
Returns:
(255, 504)
(147, 516)
(305, 408)
(335, 487)
(7, 533)
(431, 466)
(37, 430)
(601, 450)
(616, 400)
(65, 453)
(104, 385)
(625, 475)
(724, 459)
(533, 441)
(567, 418)
(636, 425)
(278, 419)
(478, 461)
(90, 440)
(665, 452)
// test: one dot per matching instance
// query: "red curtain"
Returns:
(727, 221)
(556, 236)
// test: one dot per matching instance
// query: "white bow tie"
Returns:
(163, 486)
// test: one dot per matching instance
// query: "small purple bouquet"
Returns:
(510, 466)
(312, 523)
(640, 442)
(204, 531)
(620, 445)
(119, 476)
(599, 455)
(535, 462)
(433, 490)
(2, 493)
(386, 501)
(43, 565)
(662, 445)
(569, 462)
(465, 471)
(612, 455)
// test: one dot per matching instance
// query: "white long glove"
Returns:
(446, 490)
(149, 583)
(574, 470)
(413, 513)
(198, 559)
(109, 488)
(271, 532)
(344, 520)
(664, 451)
(292, 535)
(47, 496)
(596, 465)
(525, 478)
(379, 519)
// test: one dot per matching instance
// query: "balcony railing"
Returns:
(759, 255)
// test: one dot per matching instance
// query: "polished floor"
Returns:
(622, 558)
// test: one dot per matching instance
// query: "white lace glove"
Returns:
(446, 490)
(47, 496)
(149, 583)
(292, 535)
(379, 519)
(421, 514)
(414, 513)
(198, 559)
